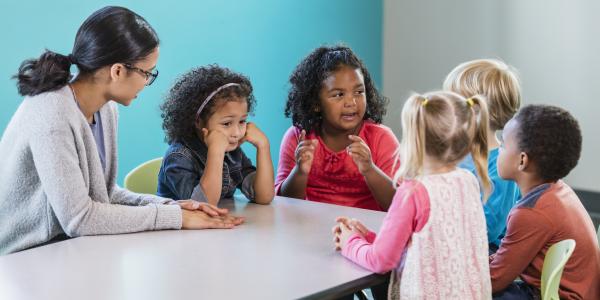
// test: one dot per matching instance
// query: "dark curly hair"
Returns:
(189, 91)
(307, 80)
(551, 138)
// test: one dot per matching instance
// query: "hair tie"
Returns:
(425, 100)
(470, 102)
(72, 59)
(211, 96)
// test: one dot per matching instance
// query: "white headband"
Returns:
(212, 95)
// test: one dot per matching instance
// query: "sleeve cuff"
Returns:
(346, 248)
(168, 217)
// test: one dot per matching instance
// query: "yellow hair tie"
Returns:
(470, 102)
(425, 100)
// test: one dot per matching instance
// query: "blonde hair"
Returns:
(495, 80)
(446, 126)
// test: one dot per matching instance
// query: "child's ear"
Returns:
(524, 161)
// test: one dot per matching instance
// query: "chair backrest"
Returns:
(144, 178)
(554, 262)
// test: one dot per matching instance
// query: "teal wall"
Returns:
(262, 39)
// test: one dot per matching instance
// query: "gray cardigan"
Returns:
(52, 181)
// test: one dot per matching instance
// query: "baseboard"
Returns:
(590, 200)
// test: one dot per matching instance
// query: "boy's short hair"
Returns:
(493, 79)
(551, 138)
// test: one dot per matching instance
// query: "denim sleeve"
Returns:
(182, 177)
(248, 177)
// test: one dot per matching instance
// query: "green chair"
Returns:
(144, 178)
(554, 262)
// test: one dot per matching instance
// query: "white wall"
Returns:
(554, 44)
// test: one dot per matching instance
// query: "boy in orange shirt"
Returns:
(541, 145)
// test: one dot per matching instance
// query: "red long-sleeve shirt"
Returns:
(334, 177)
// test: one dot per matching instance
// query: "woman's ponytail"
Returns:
(110, 35)
(49, 72)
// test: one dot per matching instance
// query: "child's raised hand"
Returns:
(361, 154)
(255, 136)
(305, 153)
(215, 139)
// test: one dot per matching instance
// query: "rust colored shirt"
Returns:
(549, 214)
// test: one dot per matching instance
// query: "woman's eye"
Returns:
(227, 124)
(338, 95)
(361, 92)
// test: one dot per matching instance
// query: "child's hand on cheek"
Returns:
(361, 154)
(215, 140)
(255, 136)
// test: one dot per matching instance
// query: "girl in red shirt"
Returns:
(337, 151)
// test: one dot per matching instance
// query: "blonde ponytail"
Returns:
(479, 148)
(412, 147)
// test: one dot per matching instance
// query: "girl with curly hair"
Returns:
(336, 151)
(205, 121)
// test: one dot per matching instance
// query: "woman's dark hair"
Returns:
(551, 138)
(189, 92)
(110, 35)
(307, 81)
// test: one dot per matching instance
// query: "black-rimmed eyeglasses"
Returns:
(150, 76)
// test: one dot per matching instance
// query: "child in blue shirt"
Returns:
(498, 83)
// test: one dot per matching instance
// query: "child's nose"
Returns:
(350, 101)
(237, 132)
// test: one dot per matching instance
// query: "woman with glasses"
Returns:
(58, 153)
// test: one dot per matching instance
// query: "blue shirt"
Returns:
(183, 166)
(504, 196)
(98, 133)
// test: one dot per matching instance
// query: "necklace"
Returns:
(79, 106)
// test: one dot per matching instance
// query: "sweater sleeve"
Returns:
(65, 189)
(408, 213)
(124, 196)
(526, 234)
(287, 160)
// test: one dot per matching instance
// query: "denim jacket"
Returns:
(184, 163)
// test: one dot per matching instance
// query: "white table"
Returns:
(283, 251)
